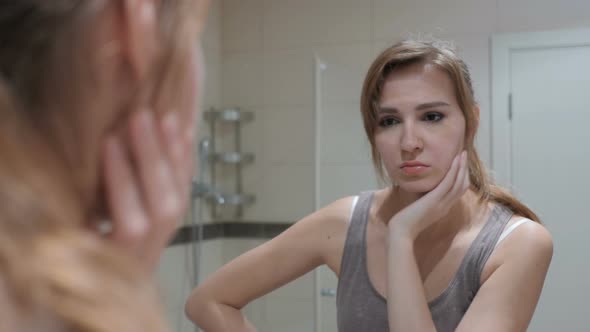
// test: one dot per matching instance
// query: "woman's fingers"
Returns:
(174, 146)
(147, 183)
(129, 219)
(458, 188)
(155, 173)
(179, 146)
(186, 171)
(189, 139)
(430, 208)
(445, 186)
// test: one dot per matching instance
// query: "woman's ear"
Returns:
(138, 35)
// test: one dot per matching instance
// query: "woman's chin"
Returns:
(419, 187)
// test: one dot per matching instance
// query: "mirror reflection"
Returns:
(310, 75)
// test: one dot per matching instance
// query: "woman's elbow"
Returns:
(210, 314)
(196, 305)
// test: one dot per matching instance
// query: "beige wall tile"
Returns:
(242, 25)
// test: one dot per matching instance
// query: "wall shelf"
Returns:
(229, 115)
(232, 199)
(238, 199)
(233, 158)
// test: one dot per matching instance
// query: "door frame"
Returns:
(502, 46)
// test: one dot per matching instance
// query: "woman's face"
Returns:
(420, 127)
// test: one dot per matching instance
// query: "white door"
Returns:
(549, 167)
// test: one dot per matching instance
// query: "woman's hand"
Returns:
(147, 183)
(412, 220)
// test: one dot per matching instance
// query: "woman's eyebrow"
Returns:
(421, 107)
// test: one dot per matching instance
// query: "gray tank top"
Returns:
(360, 308)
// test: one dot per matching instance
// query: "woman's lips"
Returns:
(413, 167)
(414, 170)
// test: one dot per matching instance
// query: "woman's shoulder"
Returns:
(329, 224)
(332, 228)
(330, 221)
(521, 232)
(340, 211)
(522, 240)
(337, 212)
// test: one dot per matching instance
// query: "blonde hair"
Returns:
(444, 57)
(53, 270)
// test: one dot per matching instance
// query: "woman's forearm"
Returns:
(217, 317)
(406, 301)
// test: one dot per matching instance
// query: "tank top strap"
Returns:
(482, 247)
(354, 256)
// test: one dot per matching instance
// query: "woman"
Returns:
(97, 107)
(428, 253)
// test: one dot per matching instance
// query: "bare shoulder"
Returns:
(326, 231)
(332, 216)
(529, 246)
(530, 237)
(329, 221)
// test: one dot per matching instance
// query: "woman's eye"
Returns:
(433, 117)
(387, 122)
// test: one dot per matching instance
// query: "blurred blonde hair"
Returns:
(55, 273)
(444, 57)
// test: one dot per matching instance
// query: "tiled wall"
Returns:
(260, 57)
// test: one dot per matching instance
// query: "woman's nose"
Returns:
(411, 141)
